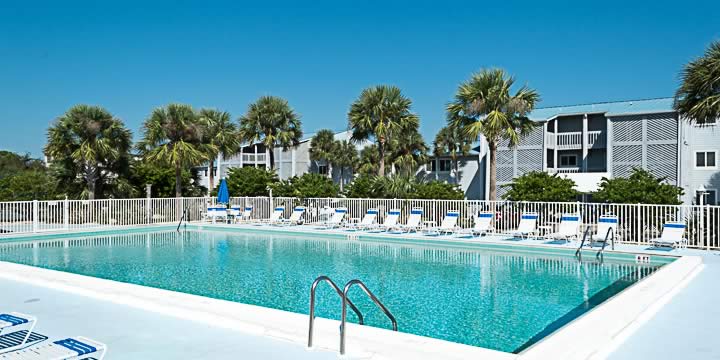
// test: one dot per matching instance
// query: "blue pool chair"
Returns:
(66, 349)
(16, 331)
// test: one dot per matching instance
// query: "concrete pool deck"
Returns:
(170, 331)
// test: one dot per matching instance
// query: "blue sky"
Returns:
(132, 56)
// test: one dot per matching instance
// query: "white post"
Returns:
(66, 214)
(585, 141)
(702, 217)
(148, 203)
(35, 215)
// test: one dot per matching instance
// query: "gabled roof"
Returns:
(647, 106)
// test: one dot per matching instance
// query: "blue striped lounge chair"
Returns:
(672, 235)
(77, 348)
(16, 331)
(527, 226)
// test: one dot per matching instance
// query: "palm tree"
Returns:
(484, 106)
(345, 156)
(222, 135)
(453, 141)
(271, 120)
(322, 148)
(380, 112)
(175, 135)
(408, 151)
(91, 140)
(698, 98)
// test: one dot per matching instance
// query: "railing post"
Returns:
(35, 215)
(66, 214)
(148, 202)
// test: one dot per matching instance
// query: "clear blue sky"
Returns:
(133, 56)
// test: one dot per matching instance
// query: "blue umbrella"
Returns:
(223, 193)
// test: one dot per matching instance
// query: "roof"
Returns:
(646, 106)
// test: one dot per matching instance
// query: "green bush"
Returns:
(162, 178)
(250, 181)
(641, 187)
(28, 185)
(541, 186)
(308, 185)
(361, 187)
(401, 187)
(438, 190)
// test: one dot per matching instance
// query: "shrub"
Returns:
(401, 187)
(250, 181)
(360, 187)
(641, 187)
(438, 190)
(541, 186)
(28, 185)
(308, 185)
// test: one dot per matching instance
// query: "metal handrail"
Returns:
(312, 304)
(182, 218)
(609, 235)
(582, 243)
(343, 318)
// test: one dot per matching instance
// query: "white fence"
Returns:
(638, 223)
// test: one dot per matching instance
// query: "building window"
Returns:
(708, 122)
(445, 165)
(710, 197)
(568, 160)
(323, 169)
(431, 166)
(705, 159)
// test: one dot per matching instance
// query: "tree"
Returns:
(394, 187)
(273, 122)
(437, 190)
(174, 135)
(698, 98)
(322, 148)
(345, 156)
(12, 163)
(250, 181)
(641, 187)
(28, 185)
(91, 144)
(380, 112)
(409, 150)
(484, 106)
(369, 160)
(309, 185)
(541, 186)
(222, 136)
(361, 187)
(162, 178)
(452, 141)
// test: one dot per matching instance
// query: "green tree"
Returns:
(698, 97)
(641, 187)
(91, 144)
(345, 156)
(222, 135)
(250, 181)
(453, 141)
(484, 106)
(309, 185)
(541, 186)
(408, 151)
(394, 187)
(273, 122)
(27, 185)
(437, 190)
(369, 160)
(12, 163)
(361, 187)
(174, 135)
(380, 112)
(162, 178)
(322, 148)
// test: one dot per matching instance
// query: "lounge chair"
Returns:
(391, 220)
(367, 222)
(66, 349)
(337, 218)
(569, 227)
(234, 212)
(216, 212)
(296, 218)
(413, 221)
(527, 226)
(16, 331)
(606, 229)
(672, 235)
(276, 216)
(483, 223)
(247, 213)
(448, 225)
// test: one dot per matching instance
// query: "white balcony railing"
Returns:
(596, 139)
(254, 158)
(564, 170)
(569, 140)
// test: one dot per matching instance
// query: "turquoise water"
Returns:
(483, 297)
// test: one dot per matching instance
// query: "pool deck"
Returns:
(683, 328)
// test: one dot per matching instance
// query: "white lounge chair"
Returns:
(296, 218)
(483, 223)
(337, 218)
(448, 225)
(66, 349)
(234, 212)
(413, 221)
(215, 213)
(247, 213)
(16, 331)
(276, 216)
(391, 220)
(606, 229)
(569, 227)
(367, 222)
(672, 235)
(527, 226)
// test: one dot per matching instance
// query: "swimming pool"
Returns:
(499, 297)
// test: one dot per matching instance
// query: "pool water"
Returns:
(487, 297)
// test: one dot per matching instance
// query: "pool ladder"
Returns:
(610, 235)
(345, 302)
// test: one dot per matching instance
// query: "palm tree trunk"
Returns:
(178, 180)
(342, 178)
(493, 171)
(271, 154)
(91, 181)
(456, 167)
(211, 168)
(381, 153)
(330, 169)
